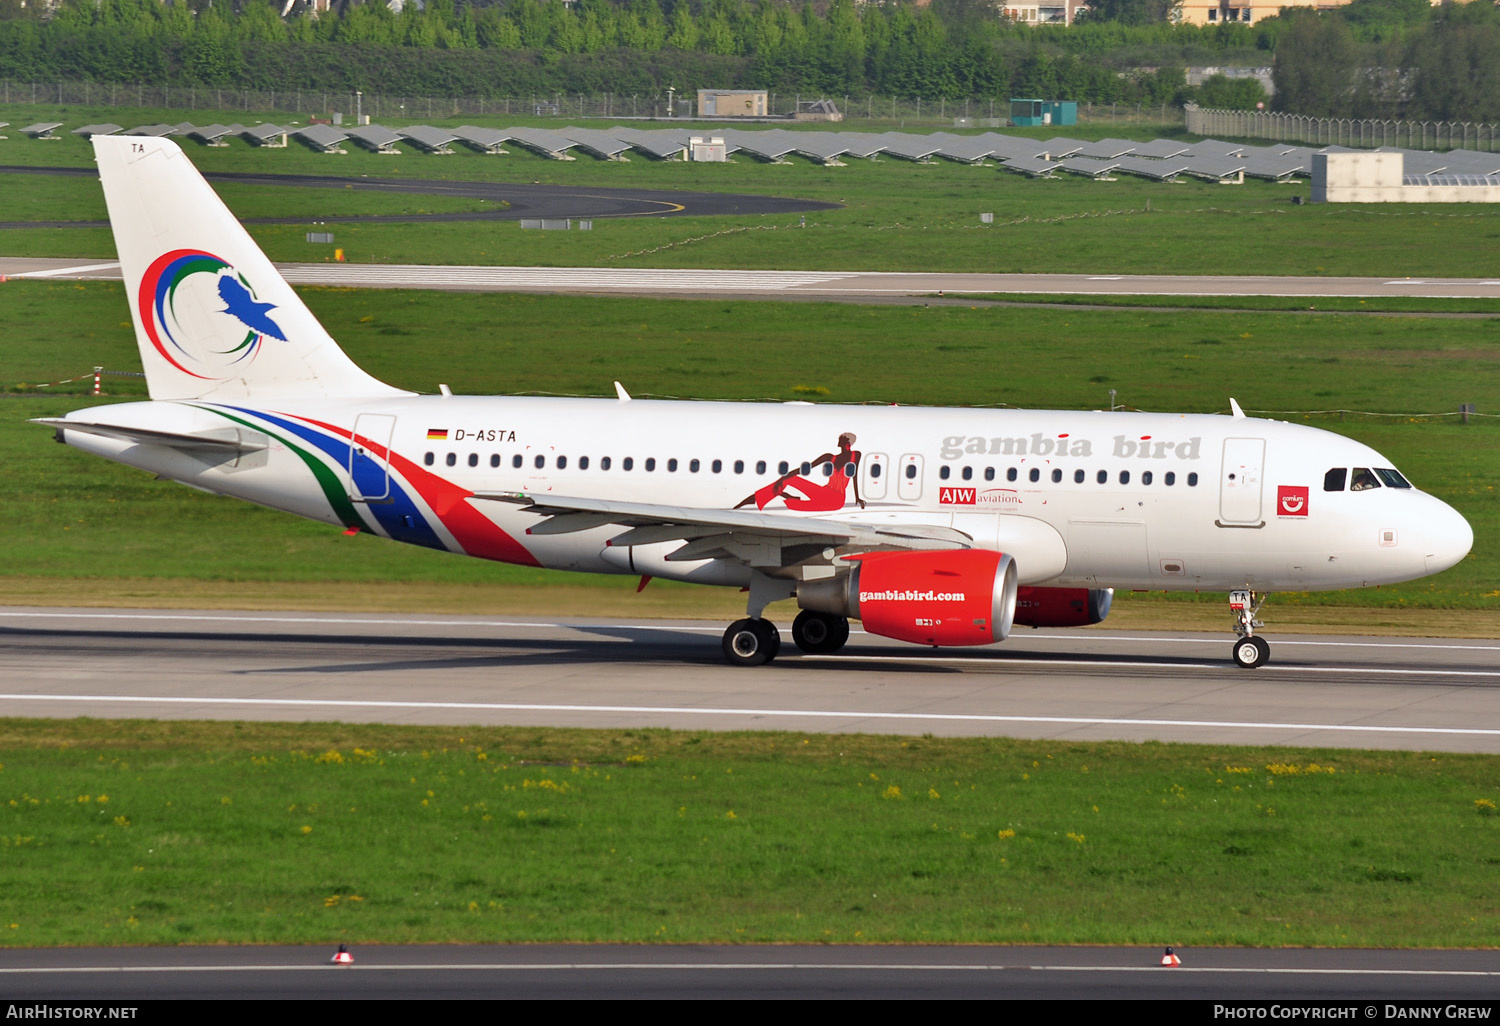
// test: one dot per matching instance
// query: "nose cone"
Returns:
(1447, 537)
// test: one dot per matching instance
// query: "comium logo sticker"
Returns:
(1291, 500)
(202, 315)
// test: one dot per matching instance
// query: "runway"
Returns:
(847, 285)
(890, 972)
(1094, 684)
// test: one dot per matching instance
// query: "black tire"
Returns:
(1248, 653)
(751, 642)
(819, 633)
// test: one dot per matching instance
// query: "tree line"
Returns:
(949, 49)
(1371, 58)
(1392, 59)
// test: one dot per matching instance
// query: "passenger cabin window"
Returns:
(760, 467)
(739, 466)
(989, 473)
(604, 462)
(718, 466)
(1036, 474)
(427, 459)
(650, 462)
(473, 459)
(1103, 477)
(968, 473)
(693, 466)
(1193, 479)
(515, 461)
(583, 463)
(540, 461)
(628, 463)
(782, 467)
(943, 472)
(1056, 476)
(1363, 480)
(1334, 480)
(452, 459)
(671, 465)
(1124, 477)
(875, 469)
(1078, 477)
(1170, 478)
(495, 459)
(1145, 477)
(911, 471)
(1010, 475)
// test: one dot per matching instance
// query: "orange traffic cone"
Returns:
(342, 956)
(1169, 959)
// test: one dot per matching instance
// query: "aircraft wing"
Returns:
(767, 541)
(220, 440)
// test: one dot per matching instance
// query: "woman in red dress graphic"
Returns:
(815, 497)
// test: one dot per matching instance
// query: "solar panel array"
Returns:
(1102, 159)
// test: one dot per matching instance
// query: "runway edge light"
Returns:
(342, 956)
(1169, 959)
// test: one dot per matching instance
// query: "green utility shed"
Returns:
(1024, 113)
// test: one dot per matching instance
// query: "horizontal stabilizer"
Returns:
(219, 440)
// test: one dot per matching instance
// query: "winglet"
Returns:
(623, 395)
(1234, 408)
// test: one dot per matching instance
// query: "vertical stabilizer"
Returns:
(213, 318)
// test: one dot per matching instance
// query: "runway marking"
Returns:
(63, 271)
(670, 710)
(740, 967)
(305, 621)
(565, 277)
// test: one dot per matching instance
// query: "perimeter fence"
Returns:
(987, 112)
(1356, 132)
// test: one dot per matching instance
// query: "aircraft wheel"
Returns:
(751, 642)
(1251, 652)
(819, 633)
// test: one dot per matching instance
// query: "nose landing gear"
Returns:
(1250, 650)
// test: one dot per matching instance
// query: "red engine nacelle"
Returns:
(960, 597)
(1062, 607)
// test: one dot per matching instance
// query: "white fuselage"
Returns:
(1095, 499)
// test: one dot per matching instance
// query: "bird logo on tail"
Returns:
(176, 300)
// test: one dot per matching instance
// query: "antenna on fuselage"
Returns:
(1234, 408)
(623, 395)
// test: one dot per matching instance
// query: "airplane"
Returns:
(936, 526)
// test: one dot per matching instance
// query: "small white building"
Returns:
(732, 103)
(1379, 177)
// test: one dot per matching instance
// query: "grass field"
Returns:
(76, 518)
(897, 215)
(144, 832)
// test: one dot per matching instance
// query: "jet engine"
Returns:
(959, 597)
(1062, 607)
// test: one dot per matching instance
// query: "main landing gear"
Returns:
(755, 641)
(1250, 650)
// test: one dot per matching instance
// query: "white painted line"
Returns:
(364, 965)
(1000, 661)
(1105, 277)
(658, 710)
(59, 272)
(312, 619)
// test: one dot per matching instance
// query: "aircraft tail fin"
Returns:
(213, 317)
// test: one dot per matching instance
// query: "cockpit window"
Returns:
(1363, 480)
(1333, 481)
(1392, 478)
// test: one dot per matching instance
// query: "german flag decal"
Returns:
(437, 434)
